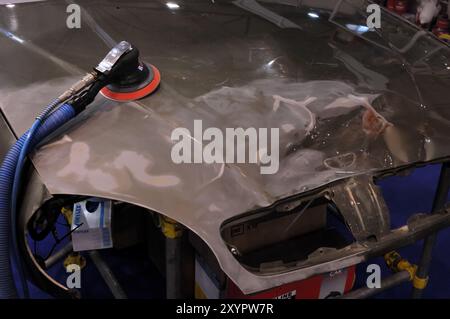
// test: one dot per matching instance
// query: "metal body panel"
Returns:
(225, 65)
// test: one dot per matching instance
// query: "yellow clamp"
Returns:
(420, 283)
(75, 258)
(67, 213)
(170, 228)
(396, 263)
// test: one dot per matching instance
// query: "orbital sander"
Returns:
(144, 81)
(119, 76)
(130, 79)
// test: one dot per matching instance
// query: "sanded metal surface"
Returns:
(228, 63)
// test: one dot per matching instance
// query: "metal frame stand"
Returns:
(173, 268)
(404, 271)
(179, 261)
(420, 276)
(439, 203)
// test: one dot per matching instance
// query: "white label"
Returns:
(91, 225)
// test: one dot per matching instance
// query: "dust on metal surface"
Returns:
(379, 101)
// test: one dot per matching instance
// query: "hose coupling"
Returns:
(87, 80)
(396, 263)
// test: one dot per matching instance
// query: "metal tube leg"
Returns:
(173, 268)
(439, 202)
(107, 275)
(173, 233)
(60, 254)
(387, 283)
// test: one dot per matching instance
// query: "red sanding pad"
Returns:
(126, 96)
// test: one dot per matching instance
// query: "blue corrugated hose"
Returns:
(15, 190)
(7, 173)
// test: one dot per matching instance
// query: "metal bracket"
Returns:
(362, 205)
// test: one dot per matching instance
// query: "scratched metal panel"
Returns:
(230, 64)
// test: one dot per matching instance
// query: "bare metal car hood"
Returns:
(223, 63)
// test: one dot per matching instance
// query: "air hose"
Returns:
(122, 67)
(7, 173)
(16, 184)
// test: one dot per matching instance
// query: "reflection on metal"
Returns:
(11, 35)
(386, 37)
(329, 5)
(342, 162)
(38, 50)
(122, 151)
(254, 7)
(95, 27)
(413, 41)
